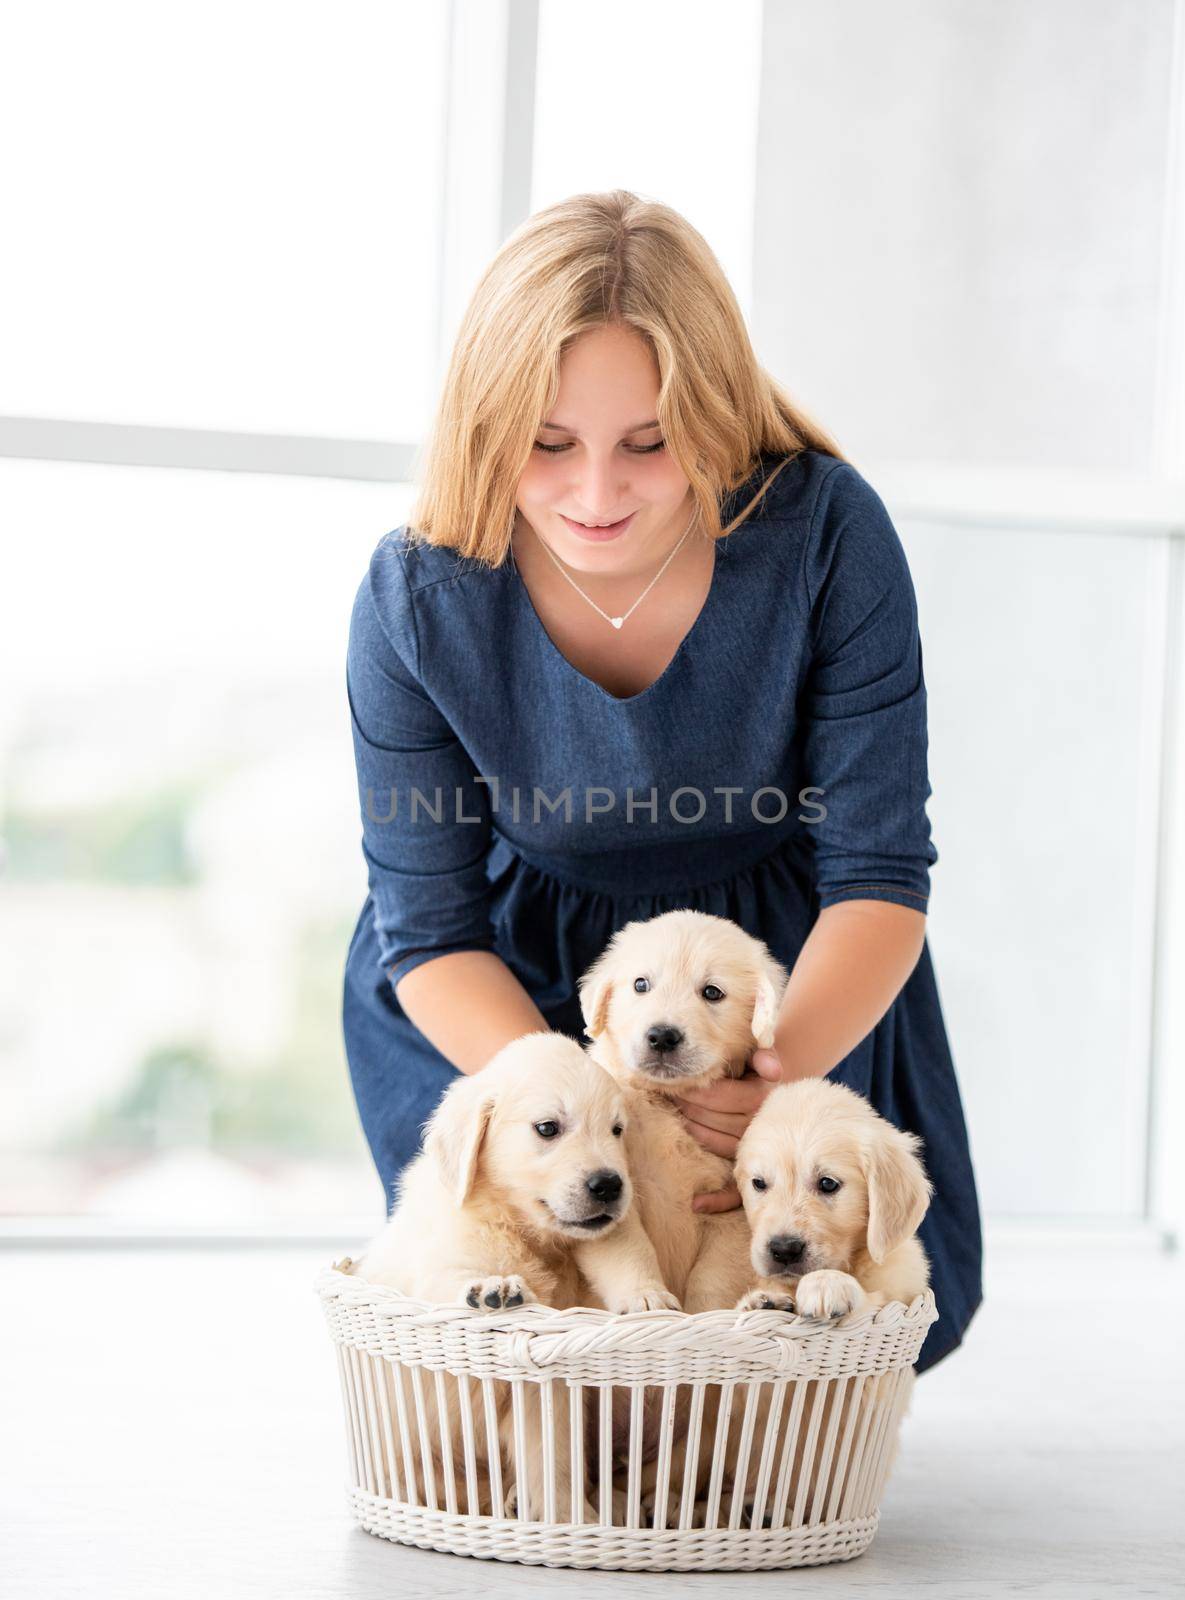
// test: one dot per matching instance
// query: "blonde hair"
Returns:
(592, 260)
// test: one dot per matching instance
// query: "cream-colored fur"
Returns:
(489, 1197)
(684, 959)
(494, 1214)
(716, 988)
(858, 1243)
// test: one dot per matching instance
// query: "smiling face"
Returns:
(540, 1132)
(594, 461)
(682, 998)
(556, 1150)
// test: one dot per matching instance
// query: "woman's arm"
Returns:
(468, 1004)
(862, 717)
(851, 968)
(426, 833)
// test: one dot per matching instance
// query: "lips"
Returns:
(612, 530)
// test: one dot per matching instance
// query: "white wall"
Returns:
(963, 260)
(959, 221)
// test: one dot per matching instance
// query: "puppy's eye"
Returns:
(760, 1184)
(712, 993)
(618, 1130)
(547, 1130)
(830, 1185)
(641, 985)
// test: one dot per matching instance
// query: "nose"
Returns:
(662, 1037)
(785, 1250)
(600, 490)
(604, 1185)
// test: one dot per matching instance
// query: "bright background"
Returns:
(238, 241)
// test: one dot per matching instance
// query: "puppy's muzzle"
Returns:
(604, 1190)
(660, 1055)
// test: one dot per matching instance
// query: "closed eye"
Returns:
(634, 449)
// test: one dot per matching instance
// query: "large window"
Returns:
(222, 216)
(243, 237)
(180, 824)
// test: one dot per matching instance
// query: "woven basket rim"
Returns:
(334, 1283)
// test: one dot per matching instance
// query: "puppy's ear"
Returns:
(596, 991)
(898, 1189)
(771, 981)
(454, 1136)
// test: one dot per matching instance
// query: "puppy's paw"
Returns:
(621, 1507)
(655, 1298)
(497, 1294)
(647, 1500)
(510, 1501)
(829, 1294)
(767, 1300)
(590, 1513)
(728, 1505)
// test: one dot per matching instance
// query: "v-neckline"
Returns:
(719, 555)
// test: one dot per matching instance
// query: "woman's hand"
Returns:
(718, 1114)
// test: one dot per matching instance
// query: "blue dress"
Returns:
(777, 766)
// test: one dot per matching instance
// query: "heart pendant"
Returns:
(617, 621)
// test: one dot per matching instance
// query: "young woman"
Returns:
(648, 640)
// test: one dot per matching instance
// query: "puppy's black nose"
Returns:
(785, 1250)
(604, 1185)
(663, 1037)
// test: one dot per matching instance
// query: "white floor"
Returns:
(169, 1427)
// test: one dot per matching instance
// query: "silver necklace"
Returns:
(617, 621)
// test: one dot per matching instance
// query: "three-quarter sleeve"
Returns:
(863, 704)
(425, 859)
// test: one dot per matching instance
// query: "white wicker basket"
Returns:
(797, 1417)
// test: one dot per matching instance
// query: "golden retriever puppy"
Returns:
(679, 1000)
(834, 1194)
(522, 1192)
(676, 1001)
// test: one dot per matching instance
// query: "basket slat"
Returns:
(425, 1437)
(634, 1471)
(666, 1439)
(691, 1460)
(521, 1483)
(719, 1455)
(765, 1467)
(548, 1446)
(845, 1447)
(834, 1411)
(744, 1450)
(493, 1454)
(576, 1435)
(359, 1418)
(469, 1449)
(605, 1454)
